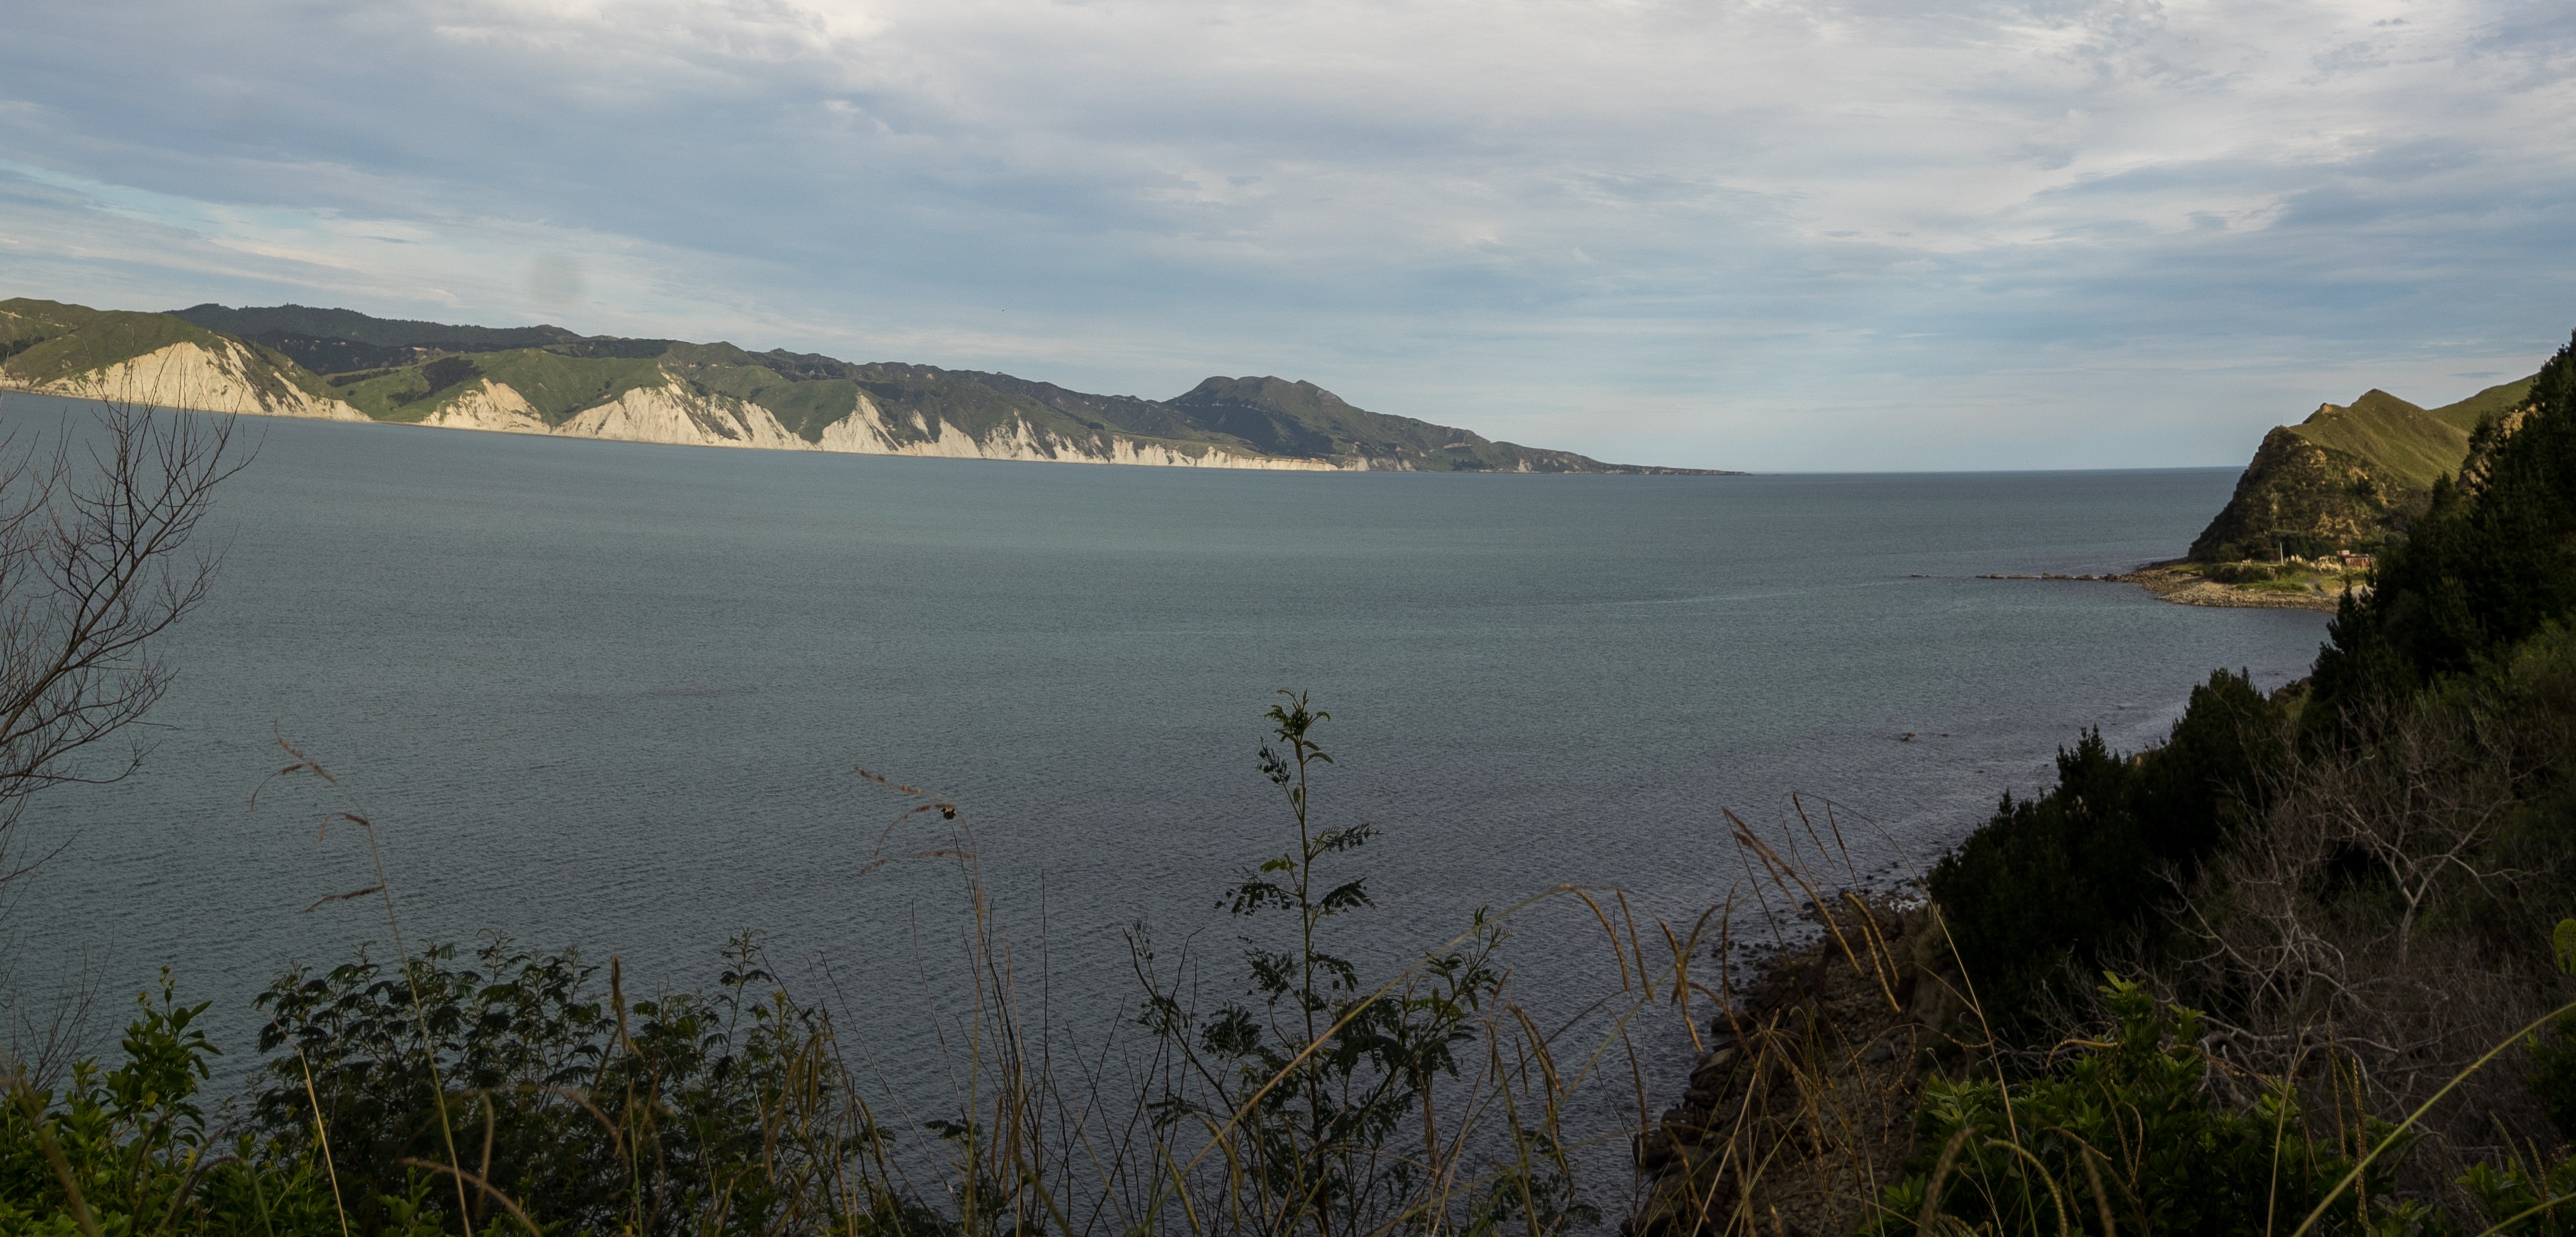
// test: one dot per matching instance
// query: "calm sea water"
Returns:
(610, 695)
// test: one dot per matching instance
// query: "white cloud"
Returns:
(1728, 233)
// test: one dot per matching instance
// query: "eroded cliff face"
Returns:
(676, 413)
(2482, 447)
(224, 378)
(231, 379)
(2302, 499)
(869, 431)
(1130, 451)
(490, 406)
(293, 360)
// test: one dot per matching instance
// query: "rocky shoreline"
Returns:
(2183, 588)
(2166, 583)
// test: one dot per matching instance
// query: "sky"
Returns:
(1760, 234)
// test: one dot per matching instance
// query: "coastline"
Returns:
(2166, 582)
(2184, 589)
(1805, 1087)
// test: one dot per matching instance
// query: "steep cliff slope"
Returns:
(547, 380)
(2348, 476)
(112, 354)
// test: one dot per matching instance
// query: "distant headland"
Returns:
(338, 364)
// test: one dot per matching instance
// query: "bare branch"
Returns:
(100, 553)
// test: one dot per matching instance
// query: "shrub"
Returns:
(2066, 875)
(2490, 564)
(1323, 1081)
(691, 1112)
(2536, 1198)
(133, 1145)
(2241, 573)
(2123, 1137)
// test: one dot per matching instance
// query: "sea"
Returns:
(618, 697)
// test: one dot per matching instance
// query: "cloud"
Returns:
(1746, 233)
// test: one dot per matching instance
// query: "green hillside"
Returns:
(2396, 437)
(1281, 417)
(2472, 412)
(47, 341)
(969, 405)
(25, 322)
(803, 405)
(808, 392)
(2347, 478)
(1145, 418)
(331, 341)
(355, 327)
(561, 373)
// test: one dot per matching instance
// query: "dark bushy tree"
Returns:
(2491, 564)
(696, 1111)
(2062, 876)
(2123, 1137)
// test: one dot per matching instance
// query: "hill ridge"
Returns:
(2349, 477)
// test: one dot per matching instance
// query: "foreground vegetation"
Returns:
(427, 1090)
(2355, 881)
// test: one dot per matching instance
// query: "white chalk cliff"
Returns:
(187, 375)
(228, 380)
(488, 405)
(866, 431)
(225, 378)
(673, 414)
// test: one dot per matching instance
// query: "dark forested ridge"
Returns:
(353, 327)
(2471, 601)
(331, 341)
(2361, 870)
(2306, 966)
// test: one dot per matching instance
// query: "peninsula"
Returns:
(337, 364)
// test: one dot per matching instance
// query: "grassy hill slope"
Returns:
(1300, 418)
(47, 341)
(2400, 439)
